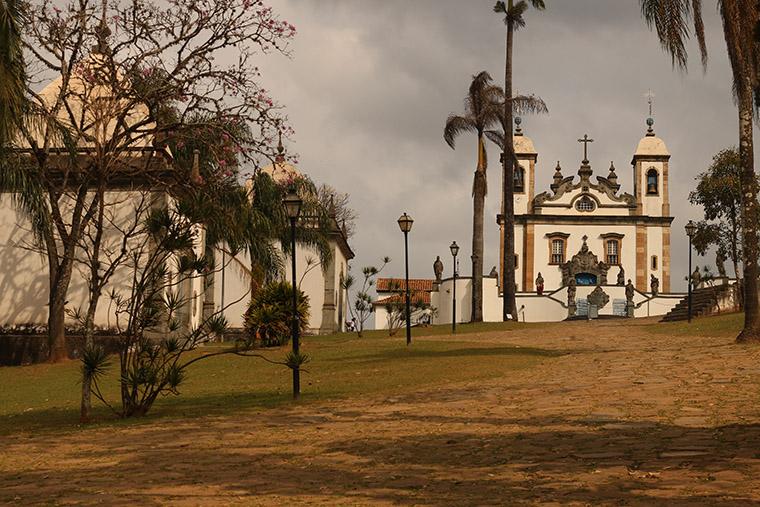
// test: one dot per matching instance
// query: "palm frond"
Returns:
(670, 20)
(12, 69)
(456, 125)
(699, 30)
(528, 104)
(496, 137)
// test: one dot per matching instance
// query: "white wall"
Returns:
(24, 280)
(311, 281)
(552, 274)
(651, 204)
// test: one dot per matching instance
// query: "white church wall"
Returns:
(445, 298)
(651, 204)
(339, 268)
(520, 252)
(522, 199)
(553, 275)
(654, 247)
(551, 307)
(24, 280)
(659, 305)
(565, 205)
(534, 308)
(24, 277)
(492, 303)
(237, 286)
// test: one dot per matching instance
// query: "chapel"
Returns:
(584, 230)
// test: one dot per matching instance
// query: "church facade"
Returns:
(584, 230)
(583, 247)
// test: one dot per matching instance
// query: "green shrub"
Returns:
(268, 319)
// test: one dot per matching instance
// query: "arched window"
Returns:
(585, 203)
(519, 179)
(652, 181)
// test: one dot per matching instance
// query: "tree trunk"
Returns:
(509, 309)
(749, 216)
(479, 187)
(56, 327)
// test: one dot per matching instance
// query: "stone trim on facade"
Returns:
(641, 258)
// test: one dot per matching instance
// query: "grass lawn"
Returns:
(46, 397)
(713, 326)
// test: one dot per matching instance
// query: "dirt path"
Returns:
(625, 418)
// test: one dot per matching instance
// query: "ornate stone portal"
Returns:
(584, 268)
(598, 298)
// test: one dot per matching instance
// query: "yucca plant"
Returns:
(268, 320)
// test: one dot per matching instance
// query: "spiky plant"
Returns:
(268, 320)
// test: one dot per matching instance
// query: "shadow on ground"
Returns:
(443, 463)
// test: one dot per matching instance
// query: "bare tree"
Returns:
(131, 77)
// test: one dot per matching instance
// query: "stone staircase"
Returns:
(703, 301)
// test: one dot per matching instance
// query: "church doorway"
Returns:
(585, 279)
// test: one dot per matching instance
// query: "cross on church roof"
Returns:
(650, 100)
(585, 142)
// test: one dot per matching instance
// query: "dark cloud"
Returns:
(370, 84)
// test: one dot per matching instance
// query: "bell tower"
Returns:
(650, 184)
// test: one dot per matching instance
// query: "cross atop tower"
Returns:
(585, 142)
(650, 100)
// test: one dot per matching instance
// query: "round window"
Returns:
(585, 204)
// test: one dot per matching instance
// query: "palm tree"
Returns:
(673, 21)
(481, 112)
(513, 19)
(12, 71)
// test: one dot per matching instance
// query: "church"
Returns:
(627, 236)
(584, 248)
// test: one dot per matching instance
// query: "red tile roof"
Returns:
(398, 298)
(415, 284)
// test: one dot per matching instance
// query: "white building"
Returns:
(328, 300)
(628, 232)
(582, 236)
(24, 271)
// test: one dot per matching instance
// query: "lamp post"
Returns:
(405, 224)
(454, 251)
(292, 205)
(691, 228)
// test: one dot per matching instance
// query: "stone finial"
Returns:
(102, 32)
(612, 177)
(280, 157)
(518, 128)
(557, 178)
(195, 172)
(650, 130)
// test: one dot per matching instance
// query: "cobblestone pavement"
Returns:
(624, 417)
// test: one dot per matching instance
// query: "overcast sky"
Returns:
(370, 83)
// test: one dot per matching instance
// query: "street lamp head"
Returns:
(292, 204)
(454, 249)
(691, 228)
(405, 223)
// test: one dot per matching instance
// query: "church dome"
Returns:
(91, 101)
(650, 144)
(524, 145)
(281, 172)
